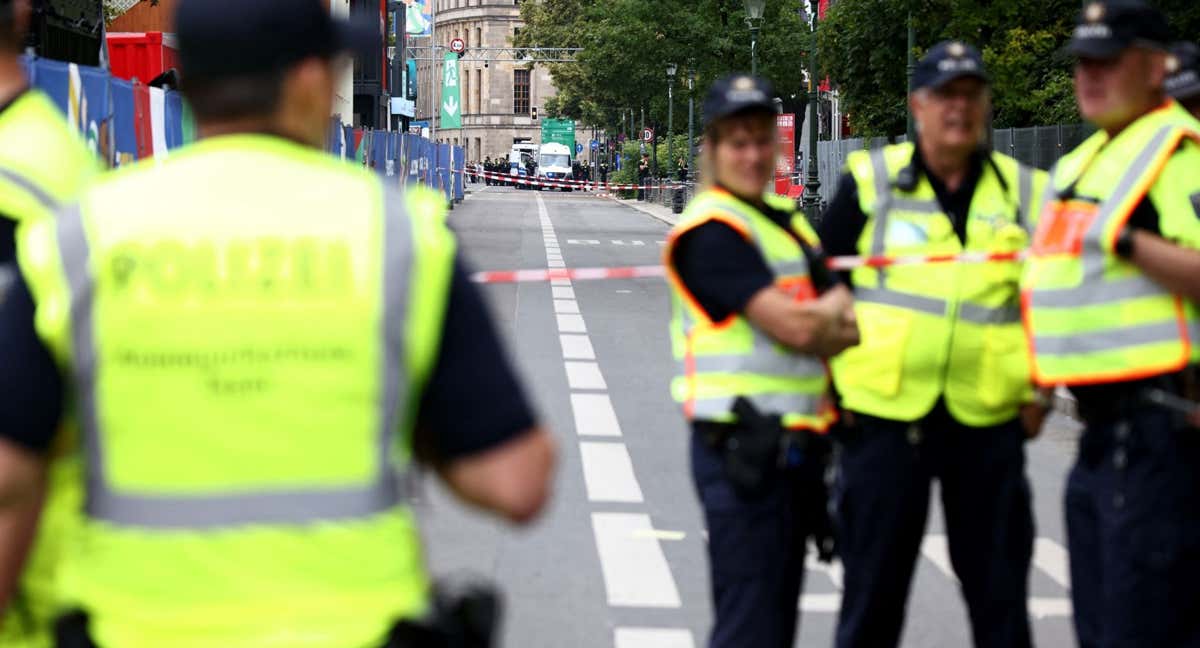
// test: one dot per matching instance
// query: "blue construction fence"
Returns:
(126, 121)
(411, 159)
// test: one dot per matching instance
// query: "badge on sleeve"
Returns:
(1196, 203)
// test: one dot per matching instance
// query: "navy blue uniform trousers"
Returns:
(881, 502)
(756, 549)
(1133, 529)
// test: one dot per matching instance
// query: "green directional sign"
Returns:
(451, 98)
(559, 131)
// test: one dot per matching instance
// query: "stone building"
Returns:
(498, 97)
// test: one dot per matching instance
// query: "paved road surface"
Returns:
(619, 560)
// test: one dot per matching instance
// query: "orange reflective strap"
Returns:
(1062, 227)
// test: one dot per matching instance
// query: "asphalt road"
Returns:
(619, 558)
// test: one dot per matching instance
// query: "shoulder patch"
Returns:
(1196, 203)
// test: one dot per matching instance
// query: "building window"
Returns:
(520, 92)
(466, 92)
(478, 37)
(479, 92)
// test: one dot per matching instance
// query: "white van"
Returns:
(554, 163)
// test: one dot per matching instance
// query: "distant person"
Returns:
(643, 174)
(681, 173)
(604, 172)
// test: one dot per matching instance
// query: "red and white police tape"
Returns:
(565, 183)
(640, 272)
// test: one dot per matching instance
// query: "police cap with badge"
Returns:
(1184, 70)
(735, 95)
(948, 61)
(1108, 27)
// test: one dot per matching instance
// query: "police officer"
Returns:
(1111, 295)
(936, 387)
(1184, 82)
(43, 162)
(258, 341)
(750, 333)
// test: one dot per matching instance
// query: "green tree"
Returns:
(863, 46)
(627, 45)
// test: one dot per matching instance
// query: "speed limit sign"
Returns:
(647, 134)
(458, 46)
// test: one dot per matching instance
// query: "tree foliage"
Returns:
(863, 45)
(627, 45)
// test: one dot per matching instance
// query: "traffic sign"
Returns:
(458, 46)
(578, 149)
(595, 145)
(647, 134)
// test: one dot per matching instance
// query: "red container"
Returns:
(143, 55)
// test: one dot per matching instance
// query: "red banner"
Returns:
(786, 162)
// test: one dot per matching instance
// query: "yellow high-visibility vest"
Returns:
(938, 330)
(719, 361)
(248, 329)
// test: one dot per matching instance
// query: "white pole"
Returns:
(438, 66)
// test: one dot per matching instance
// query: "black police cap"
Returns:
(1184, 69)
(1108, 27)
(946, 62)
(229, 38)
(740, 93)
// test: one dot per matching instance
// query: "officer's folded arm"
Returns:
(1176, 268)
(823, 327)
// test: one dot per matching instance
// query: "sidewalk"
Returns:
(653, 210)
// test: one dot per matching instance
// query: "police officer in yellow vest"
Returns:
(936, 387)
(754, 316)
(43, 163)
(258, 341)
(1110, 298)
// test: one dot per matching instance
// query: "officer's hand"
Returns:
(1033, 417)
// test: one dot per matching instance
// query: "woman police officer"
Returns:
(755, 315)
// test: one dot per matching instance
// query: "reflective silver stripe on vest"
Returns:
(918, 303)
(291, 506)
(1095, 293)
(976, 314)
(883, 198)
(770, 404)
(29, 187)
(1107, 339)
(767, 362)
(914, 205)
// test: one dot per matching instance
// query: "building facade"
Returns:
(499, 98)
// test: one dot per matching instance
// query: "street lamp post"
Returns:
(812, 200)
(754, 17)
(691, 143)
(671, 69)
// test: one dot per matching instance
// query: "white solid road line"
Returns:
(594, 415)
(652, 638)
(577, 347)
(563, 292)
(636, 573)
(608, 473)
(560, 282)
(1042, 608)
(566, 306)
(584, 375)
(821, 603)
(571, 324)
(936, 550)
(1051, 558)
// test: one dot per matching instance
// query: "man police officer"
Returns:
(1110, 297)
(258, 340)
(936, 387)
(749, 333)
(43, 163)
